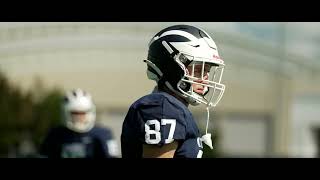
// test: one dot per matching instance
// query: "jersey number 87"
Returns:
(156, 132)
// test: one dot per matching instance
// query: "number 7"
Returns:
(172, 123)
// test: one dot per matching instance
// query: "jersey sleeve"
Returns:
(161, 123)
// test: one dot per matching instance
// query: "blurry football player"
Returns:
(184, 62)
(79, 136)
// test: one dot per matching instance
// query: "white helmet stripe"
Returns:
(166, 45)
(181, 33)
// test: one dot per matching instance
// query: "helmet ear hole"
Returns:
(185, 86)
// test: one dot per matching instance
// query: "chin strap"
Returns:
(207, 137)
(208, 118)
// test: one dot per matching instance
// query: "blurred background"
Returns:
(271, 106)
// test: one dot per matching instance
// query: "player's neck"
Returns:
(167, 90)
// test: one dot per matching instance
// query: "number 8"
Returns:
(156, 132)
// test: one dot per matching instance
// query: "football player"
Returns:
(79, 136)
(184, 62)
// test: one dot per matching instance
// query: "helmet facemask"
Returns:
(79, 111)
(80, 121)
(203, 79)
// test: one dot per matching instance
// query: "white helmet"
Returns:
(79, 111)
(175, 49)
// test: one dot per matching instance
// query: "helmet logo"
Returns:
(216, 57)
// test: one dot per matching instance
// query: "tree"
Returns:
(29, 113)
